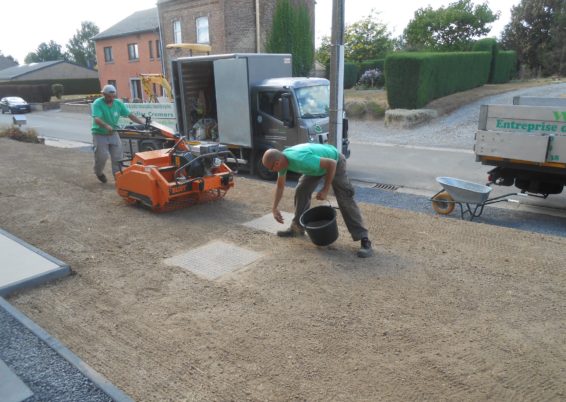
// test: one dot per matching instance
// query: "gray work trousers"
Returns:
(344, 192)
(104, 145)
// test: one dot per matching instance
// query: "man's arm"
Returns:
(135, 118)
(101, 123)
(280, 187)
(330, 166)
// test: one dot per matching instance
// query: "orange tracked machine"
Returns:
(185, 174)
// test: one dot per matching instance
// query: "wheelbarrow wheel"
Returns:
(443, 203)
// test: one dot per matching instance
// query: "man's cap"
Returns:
(108, 89)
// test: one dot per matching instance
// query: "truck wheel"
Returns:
(262, 171)
(443, 203)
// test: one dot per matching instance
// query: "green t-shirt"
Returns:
(108, 114)
(305, 158)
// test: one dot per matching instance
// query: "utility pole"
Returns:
(337, 74)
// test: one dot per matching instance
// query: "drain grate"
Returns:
(387, 187)
(267, 224)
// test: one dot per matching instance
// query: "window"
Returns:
(177, 38)
(136, 89)
(271, 103)
(108, 54)
(133, 52)
(158, 48)
(113, 83)
(150, 43)
(202, 30)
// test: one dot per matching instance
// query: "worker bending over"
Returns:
(315, 162)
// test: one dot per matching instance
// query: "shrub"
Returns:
(375, 110)
(369, 79)
(57, 90)
(355, 109)
(350, 75)
(16, 133)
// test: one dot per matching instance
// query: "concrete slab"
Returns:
(267, 224)
(22, 265)
(12, 389)
(214, 259)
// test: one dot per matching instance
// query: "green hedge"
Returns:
(414, 79)
(505, 67)
(71, 86)
(37, 93)
(488, 45)
(351, 71)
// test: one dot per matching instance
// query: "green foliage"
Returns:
(505, 67)
(355, 109)
(537, 32)
(291, 32)
(375, 110)
(57, 90)
(488, 45)
(81, 49)
(322, 54)
(367, 39)
(32, 92)
(18, 134)
(6, 61)
(72, 87)
(415, 79)
(450, 28)
(45, 52)
(351, 71)
(372, 65)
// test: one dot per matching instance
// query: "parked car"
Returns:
(14, 104)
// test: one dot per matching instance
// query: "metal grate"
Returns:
(267, 224)
(387, 187)
(214, 259)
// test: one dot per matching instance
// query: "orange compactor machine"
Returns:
(188, 173)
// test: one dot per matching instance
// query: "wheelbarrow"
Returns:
(471, 197)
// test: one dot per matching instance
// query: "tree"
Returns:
(367, 39)
(45, 52)
(448, 29)
(537, 31)
(7, 61)
(81, 49)
(291, 32)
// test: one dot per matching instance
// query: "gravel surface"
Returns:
(455, 130)
(48, 375)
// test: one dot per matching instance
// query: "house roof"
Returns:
(13, 72)
(140, 21)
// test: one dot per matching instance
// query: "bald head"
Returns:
(270, 157)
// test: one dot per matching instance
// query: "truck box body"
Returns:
(225, 81)
(526, 144)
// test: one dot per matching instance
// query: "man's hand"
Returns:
(321, 195)
(277, 215)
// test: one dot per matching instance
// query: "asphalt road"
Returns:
(411, 170)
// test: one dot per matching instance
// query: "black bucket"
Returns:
(320, 224)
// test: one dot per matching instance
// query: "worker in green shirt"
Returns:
(316, 162)
(106, 112)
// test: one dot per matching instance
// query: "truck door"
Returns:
(276, 118)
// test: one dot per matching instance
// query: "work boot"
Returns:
(293, 231)
(102, 178)
(365, 248)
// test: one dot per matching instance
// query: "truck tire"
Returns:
(262, 171)
(443, 203)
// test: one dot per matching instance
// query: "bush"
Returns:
(369, 79)
(57, 90)
(350, 75)
(16, 133)
(505, 67)
(375, 64)
(488, 45)
(355, 109)
(375, 110)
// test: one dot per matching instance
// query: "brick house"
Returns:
(127, 49)
(228, 26)
(139, 43)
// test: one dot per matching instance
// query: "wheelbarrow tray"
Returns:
(465, 191)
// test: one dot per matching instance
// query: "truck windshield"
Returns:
(313, 101)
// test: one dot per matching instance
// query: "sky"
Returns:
(28, 23)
